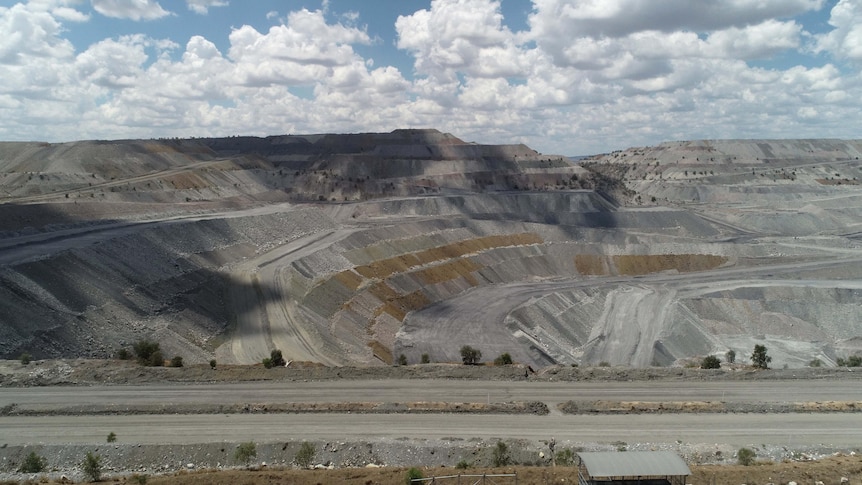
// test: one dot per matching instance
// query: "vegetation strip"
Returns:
(642, 407)
(515, 407)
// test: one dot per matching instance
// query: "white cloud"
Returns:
(202, 6)
(587, 76)
(130, 9)
(845, 41)
(461, 36)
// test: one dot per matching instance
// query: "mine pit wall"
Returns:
(163, 282)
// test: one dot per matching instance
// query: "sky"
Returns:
(570, 77)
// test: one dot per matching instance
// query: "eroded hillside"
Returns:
(356, 249)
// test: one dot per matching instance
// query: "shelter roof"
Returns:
(633, 464)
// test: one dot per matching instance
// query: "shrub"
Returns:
(402, 359)
(710, 362)
(276, 358)
(604, 363)
(245, 452)
(503, 359)
(212, 363)
(267, 362)
(139, 479)
(759, 358)
(426, 359)
(565, 457)
(470, 356)
(124, 354)
(854, 361)
(33, 464)
(305, 456)
(92, 467)
(112, 437)
(730, 356)
(177, 361)
(815, 363)
(144, 350)
(501, 454)
(413, 474)
(26, 358)
(745, 456)
(157, 359)
(462, 465)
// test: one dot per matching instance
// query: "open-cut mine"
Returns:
(356, 249)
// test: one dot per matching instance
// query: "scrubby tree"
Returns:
(305, 456)
(148, 353)
(26, 358)
(426, 359)
(402, 359)
(276, 358)
(245, 452)
(730, 356)
(212, 363)
(124, 354)
(745, 456)
(501, 455)
(759, 358)
(470, 356)
(177, 361)
(710, 362)
(92, 467)
(413, 474)
(33, 463)
(112, 437)
(503, 359)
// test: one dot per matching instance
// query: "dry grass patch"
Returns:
(632, 264)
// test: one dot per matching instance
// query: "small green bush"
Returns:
(462, 465)
(124, 354)
(26, 358)
(604, 363)
(144, 351)
(413, 474)
(470, 356)
(402, 359)
(92, 467)
(140, 479)
(305, 456)
(426, 359)
(745, 457)
(212, 363)
(267, 362)
(815, 363)
(157, 359)
(33, 464)
(501, 455)
(730, 356)
(177, 361)
(565, 457)
(112, 437)
(503, 359)
(245, 452)
(277, 359)
(710, 362)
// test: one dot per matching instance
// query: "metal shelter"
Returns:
(631, 468)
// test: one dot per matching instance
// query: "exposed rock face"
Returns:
(359, 248)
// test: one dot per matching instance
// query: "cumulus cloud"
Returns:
(130, 9)
(584, 76)
(845, 40)
(202, 6)
(461, 36)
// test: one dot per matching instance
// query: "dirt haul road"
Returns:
(834, 430)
